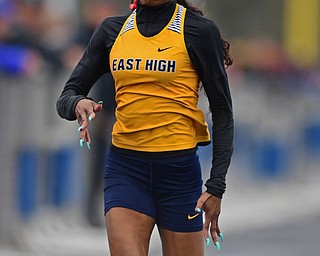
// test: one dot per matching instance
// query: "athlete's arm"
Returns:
(93, 64)
(207, 57)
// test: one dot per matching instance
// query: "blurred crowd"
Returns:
(267, 59)
(37, 35)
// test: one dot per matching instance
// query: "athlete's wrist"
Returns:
(215, 193)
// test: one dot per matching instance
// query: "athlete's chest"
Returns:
(134, 53)
(160, 57)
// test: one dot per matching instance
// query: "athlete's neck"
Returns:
(152, 19)
(152, 14)
(153, 3)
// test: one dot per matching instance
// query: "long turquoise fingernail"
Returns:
(90, 118)
(79, 129)
(198, 210)
(88, 145)
(81, 143)
(100, 102)
(207, 241)
(218, 246)
(221, 237)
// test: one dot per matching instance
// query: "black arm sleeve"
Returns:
(93, 64)
(205, 49)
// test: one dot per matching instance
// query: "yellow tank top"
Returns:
(156, 89)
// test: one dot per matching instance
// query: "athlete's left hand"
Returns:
(211, 205)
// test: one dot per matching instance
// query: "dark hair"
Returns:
(225, 44)
(189, 6)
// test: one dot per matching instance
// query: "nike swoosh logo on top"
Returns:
(163, 49)
(191, 217)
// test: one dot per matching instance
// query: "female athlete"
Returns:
(158, 55)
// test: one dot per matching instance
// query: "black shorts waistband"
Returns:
(163, 154)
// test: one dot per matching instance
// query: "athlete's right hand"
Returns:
(85, 112)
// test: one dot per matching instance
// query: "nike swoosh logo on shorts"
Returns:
(191, 217)
(163, 49)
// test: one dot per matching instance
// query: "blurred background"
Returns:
(51, 189)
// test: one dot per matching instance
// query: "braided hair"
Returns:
(225, 44)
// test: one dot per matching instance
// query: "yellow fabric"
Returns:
(156, 90)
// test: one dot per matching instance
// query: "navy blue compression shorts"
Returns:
(166, 188)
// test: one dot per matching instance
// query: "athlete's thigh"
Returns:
(178, 187)
(128, 232)
(181, 243)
